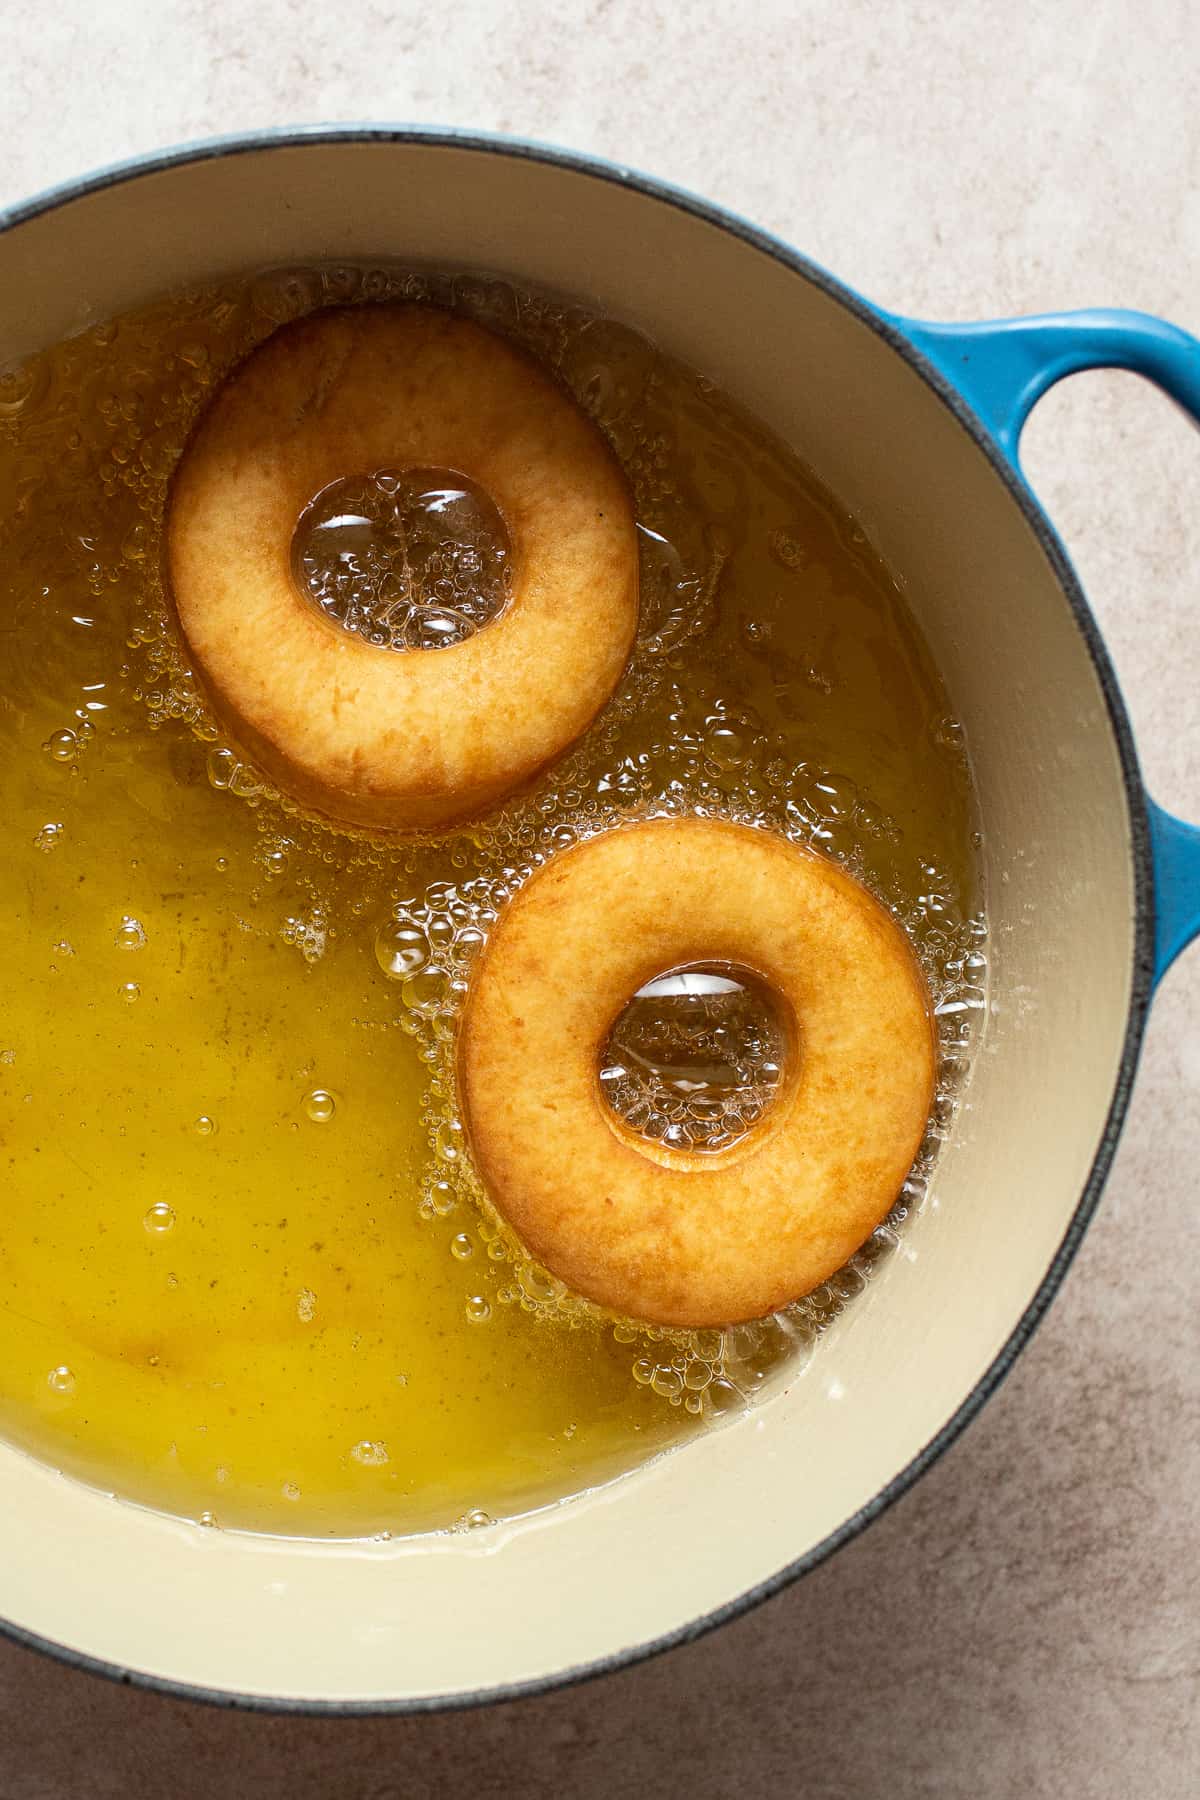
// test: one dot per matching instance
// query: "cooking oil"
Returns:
(246, 1272)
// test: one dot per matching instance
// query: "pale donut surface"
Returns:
(366, 734)
(688, 1238)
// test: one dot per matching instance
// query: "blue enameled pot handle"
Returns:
(1002, 368)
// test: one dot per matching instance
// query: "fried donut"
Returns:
(680, 1237)
(364, 733)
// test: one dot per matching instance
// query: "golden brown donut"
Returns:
(677, 1237)
(366, 734)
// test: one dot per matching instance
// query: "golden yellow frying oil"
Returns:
(244, 1274)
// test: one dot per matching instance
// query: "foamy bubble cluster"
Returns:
(695, 1058)
(409, 559)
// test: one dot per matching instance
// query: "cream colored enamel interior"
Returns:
(691, 1533)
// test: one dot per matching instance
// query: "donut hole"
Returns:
(409, 559)
(696, 1059)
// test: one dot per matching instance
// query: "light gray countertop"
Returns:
(1026, 1622)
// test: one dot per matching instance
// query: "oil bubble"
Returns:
(320, 1106)
(757, 632)
(667, 1383)
(284, 294)
(371, 1454)
(724, 1397)
(449, 1140)
(475, 1520)
(205, 1126)
(427, 991)
(539, 1285)
(309, 935)
(62, 746)
(159, 1218)
(221, 766)
(341, 283)
(949, 734)
(442, 1198)
(823, 796)
(49, 837)
(131, 934)
(478, 1309)
(401, 950)
(461, 1246)
(61, 1380)
(787, 550)
(726, 744)
(22, 387)
(245, 783)
(129, 991)
(208, 1520)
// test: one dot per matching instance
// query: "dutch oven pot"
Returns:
(1091, 890)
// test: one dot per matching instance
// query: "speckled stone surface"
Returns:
(1027, 1621)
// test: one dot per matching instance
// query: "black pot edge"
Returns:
(1142, 984)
